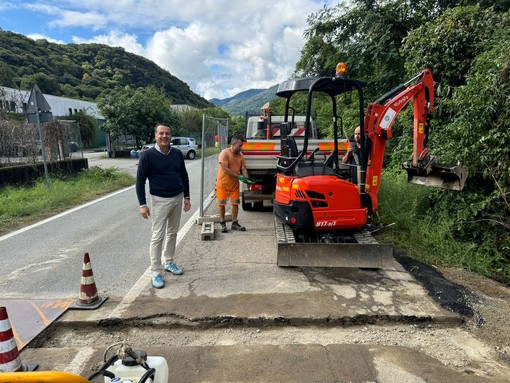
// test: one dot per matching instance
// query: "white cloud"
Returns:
(37, 36)
(218, 48)
(115, 39)
(262, 43)
(70, 18)
(5, 6)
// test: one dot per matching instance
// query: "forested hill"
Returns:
(83, 70)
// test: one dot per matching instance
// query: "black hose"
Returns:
(108, 374)
(103, 368)
(148, 374)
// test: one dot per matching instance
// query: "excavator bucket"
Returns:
(435, 174)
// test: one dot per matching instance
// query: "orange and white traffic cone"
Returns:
(88, 299)
(9, 355)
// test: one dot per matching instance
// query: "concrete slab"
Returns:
(236, 278)
(260, 356)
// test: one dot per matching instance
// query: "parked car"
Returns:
(187, 145)
(148, 146)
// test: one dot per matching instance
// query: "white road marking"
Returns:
(20, 231)
(77, 365)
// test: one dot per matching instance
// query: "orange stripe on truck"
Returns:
(258, 146)
(328, 146)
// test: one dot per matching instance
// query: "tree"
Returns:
(236, 125)
(481, 132)
(7, 76)
(190, 123)
(467, 49)
(136, 112)
(191, 119)
(366, 35)
(88, 126)
(48, 84)
(449, 44)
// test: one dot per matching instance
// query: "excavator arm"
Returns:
(422, 168)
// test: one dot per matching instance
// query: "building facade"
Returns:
(15, 100)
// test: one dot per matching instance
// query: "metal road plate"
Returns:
(28, 318)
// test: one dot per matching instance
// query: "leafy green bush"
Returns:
(428, 224)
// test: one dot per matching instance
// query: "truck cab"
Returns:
(261, 127)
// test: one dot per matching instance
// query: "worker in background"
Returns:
(352, 151)
(232, 169)
(168, 187)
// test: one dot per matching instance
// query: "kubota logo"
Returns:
(401, 101)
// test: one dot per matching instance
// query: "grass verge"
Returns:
(22, 206)
(427, 237)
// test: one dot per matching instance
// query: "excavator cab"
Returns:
(312, 190)
(314, 195)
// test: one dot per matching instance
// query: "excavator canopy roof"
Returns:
(330, 85)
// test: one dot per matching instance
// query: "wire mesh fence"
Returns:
(20, 143)
(214, 140)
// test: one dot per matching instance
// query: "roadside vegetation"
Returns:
(417, 220)
(22, 206)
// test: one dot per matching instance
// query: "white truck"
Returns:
(263, 146)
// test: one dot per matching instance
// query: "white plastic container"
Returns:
(134, 373)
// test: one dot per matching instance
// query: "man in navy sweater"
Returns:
(168, 186)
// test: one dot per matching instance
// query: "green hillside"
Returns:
(239, 106)
(83, 70)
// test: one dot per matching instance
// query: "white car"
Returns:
(187, 145)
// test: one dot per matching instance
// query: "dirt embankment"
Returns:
(484, 303)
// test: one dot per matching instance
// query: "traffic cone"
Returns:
(88, 298)
(9, 355)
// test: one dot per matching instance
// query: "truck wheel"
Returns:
(247, 206)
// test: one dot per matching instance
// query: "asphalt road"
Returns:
(45, 260)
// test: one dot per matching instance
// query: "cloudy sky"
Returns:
(218, 47)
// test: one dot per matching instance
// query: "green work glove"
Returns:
(245, 180)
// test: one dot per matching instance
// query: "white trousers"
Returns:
(166, 217)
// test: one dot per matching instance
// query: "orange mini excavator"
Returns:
(318, 198)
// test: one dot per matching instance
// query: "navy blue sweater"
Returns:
(167, 175)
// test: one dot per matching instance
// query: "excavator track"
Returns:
(359, 250)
